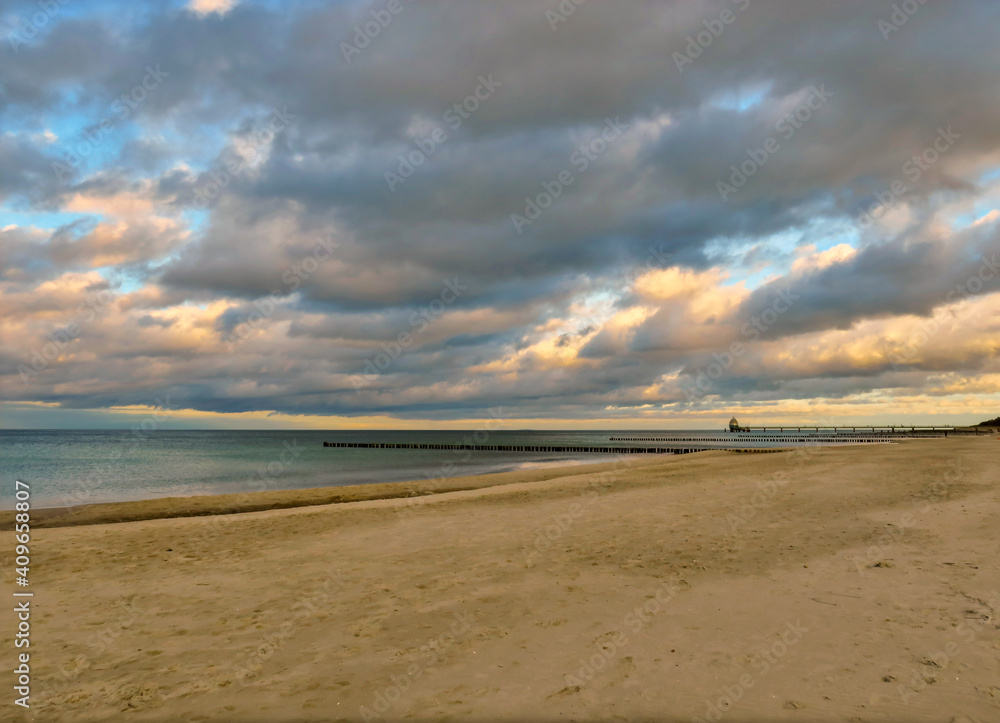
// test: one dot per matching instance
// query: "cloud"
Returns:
(634, 275)
(204, 7)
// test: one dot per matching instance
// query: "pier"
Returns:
(885, 428)
(896, 430)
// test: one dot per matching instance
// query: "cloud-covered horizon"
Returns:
(400, 211)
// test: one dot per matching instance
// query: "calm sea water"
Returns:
(71, 467)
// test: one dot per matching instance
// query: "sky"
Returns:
(571, 215)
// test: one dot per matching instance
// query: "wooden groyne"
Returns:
(517, 448)
(759, 450)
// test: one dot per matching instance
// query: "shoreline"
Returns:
(157, 508)
(201, 505)
(857, 583)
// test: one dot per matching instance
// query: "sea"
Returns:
(65, 468)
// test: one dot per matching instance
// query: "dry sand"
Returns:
(857, 583)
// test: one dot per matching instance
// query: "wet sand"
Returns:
(857, 583)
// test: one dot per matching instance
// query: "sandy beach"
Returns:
(859, 583)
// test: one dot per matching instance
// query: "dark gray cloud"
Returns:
(386, 252)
